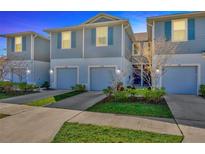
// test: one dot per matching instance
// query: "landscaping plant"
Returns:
(108, 91)
(45, 85)
(79, 88)
(121, 96)
(154, 95)
(202, 90)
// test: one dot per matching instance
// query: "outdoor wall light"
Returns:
(118, 71)
(157, 70)
(51, 71)
(28, 71)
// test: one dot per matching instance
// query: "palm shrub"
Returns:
(202, 90)
(79, 88)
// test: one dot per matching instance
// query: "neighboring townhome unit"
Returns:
(182, 48)
(28, 56)
(96, 53)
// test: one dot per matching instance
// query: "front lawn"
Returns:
(3, 115)
(86, 133)
(53, 99)
(133, 108)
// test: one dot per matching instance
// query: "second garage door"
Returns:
(66, 78)
(101, 77)
(180, 80)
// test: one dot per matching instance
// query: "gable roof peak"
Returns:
(101, 15)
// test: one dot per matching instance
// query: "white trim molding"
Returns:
(98, 66)
(66, 66)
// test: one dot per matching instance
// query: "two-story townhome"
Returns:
(28, 55)
(184, 69)
(95, 53)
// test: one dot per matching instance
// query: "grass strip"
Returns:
(3, 115)
(53, 99)
(87, 133)
(139, 109)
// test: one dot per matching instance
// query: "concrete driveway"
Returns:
(32, 97)
(189, 112)
(79, 102)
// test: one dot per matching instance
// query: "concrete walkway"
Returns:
(36, 124)
(189, 112)
(163, 126)
(79, 102)
(40, 124)
(32, 97)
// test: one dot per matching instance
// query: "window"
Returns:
(66, 40)
(101, 36)
(179, 32)
(18, 44)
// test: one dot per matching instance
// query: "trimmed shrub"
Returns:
(202, 90)
(6, 86)
(120, 96)
(79, 88)
(154, 95)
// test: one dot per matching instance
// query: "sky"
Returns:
(11, 22)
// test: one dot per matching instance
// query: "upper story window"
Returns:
(18, 44)
(179, 32)
(101, 36)
(66, 40)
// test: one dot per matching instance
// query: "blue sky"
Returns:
(37, 21)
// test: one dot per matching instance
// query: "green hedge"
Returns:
(202, 90)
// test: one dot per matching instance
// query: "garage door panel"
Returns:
(66, 78)
(101, 78)
(180, 80)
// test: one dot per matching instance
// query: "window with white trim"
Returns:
(18, 44)
(179, 30)
(101, 36)
(66, 40)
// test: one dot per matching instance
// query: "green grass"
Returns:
(3, 115)
(139, 109)
(86, 133)
(53, 99)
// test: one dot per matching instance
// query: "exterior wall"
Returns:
(41, 72)
(67, 53)
(186, 60)
(128, 47)
(190, 46)
(24, 55)
(41, 49)
(83, 65)
(91, 51)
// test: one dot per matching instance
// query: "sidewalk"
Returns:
(40, 124)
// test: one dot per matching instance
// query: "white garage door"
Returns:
(66, 78)
(180, 79)
(101, 77)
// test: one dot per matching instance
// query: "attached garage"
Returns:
(66, 77)
(180, 79)
(101, 77)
